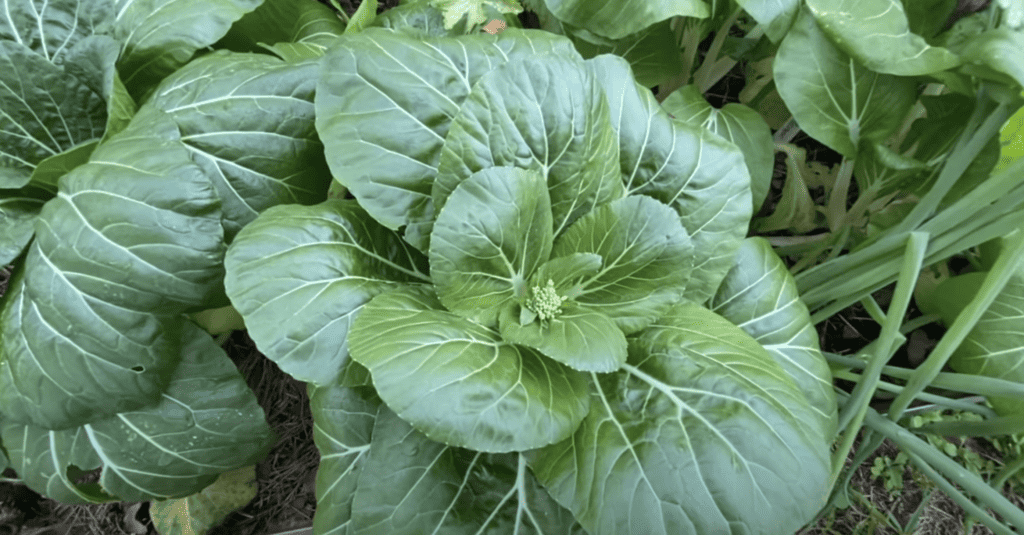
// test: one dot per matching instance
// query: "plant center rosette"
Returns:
(539, 289)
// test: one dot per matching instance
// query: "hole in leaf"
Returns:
(138, 369)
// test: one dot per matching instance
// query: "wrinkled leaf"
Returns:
(330, 258)
(196, 514)
(796, 209)
(832, 97)
(491, 238)
(46, 111)
(205, 423)
(247, 120)
(703, 432)
(51, 27)
(652, 52)
(690, 169)
(472, 10)
(877, 34)
(459, 382)
(283, 22)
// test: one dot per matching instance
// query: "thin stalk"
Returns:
(701, 76)
(957, 382)
(852, 415)
(1004, 268)
(935, 400)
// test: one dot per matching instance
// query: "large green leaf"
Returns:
(647, 254)
(299, 275)
(616, 19)
(877, 34)
(247, 120)
(379, 82)
(161, 35)
(736, 123)
(701, 176)
(204, 423)
(458, 381)
(410, 485)
(489, 240)
(94, 61)
(343, 420)
(760, 295)
(92, 324)
(555, 123)
(832, 96)
(51, 27)
(44, 111)
(703, 432)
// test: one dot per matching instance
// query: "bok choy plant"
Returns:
(540, 285)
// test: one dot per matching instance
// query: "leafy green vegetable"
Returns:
(527, 263)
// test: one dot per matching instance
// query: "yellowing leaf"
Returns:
(196, 514)
(454, 10)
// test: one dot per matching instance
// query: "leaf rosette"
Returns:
(520, 297)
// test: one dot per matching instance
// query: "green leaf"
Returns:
(380, 82)
(832, 97)
(196, 514)
(995, 346)
(48, 172)
(760, 295)
(94, 61)
(927, 18)
(776, 16)
(736, 123)
(883, 170)
(647, 254)
(616, 19)
(1011, 141)
(703, 178)
(343, 421)
(458, 382)
(248, 121)
(284, 22)
(556, 124)
(567, 271)
(877, 34)
(703, 432)
(206, 422)
(135, 230)
(418, 18)
(363, 17)
(796, 209)
(579, 338)
(652, 52)
(18, 212)
(51, 28)
(411, 485)
(159, 36)
(998, 49)
(46, 111)
(492, 236)
(330, 258)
